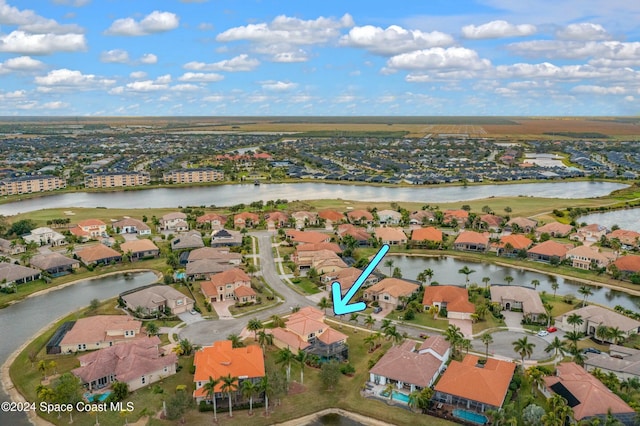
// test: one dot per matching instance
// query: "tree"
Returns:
(575, 320)
(302, 358)
(324, 304)
(277, 321)
(185, 347)
(508, 279)
(535, 283)
(454, 336)
(265, 339)
(602, 332)
(249, 389)
(616, 335)
(370, 341)
(67, 389)
(354, 318)
(428, 274)
(178, 404)
(285, 357)
(486, 280)
(152, 329)
(265, 387)
(369, 321)
(486, 339)
(586, 292)
(482, 311)
(236, 341)
(94, 304)
(210, 390)
(556, 346)
(120, 390)
(229, 385)
(532, 415)
(573, 337)
(466, 271)
(389, 264)
(524, 348)
(388, 390)
(329, 374)
(254, 325)
(555, 286)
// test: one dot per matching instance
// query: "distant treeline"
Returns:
(476, 121)
(348, 134)
(579, 135)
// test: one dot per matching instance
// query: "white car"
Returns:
(543, 333)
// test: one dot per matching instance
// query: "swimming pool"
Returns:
(398, 396)
(470, 416)
(98, 397)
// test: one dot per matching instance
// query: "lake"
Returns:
(625, 219)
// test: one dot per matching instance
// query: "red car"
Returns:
(552, 329)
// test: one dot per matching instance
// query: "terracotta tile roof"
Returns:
(221, 359)
(401, 363)
(91, 223)
(290, 339)
(593, 397)
(97, 252)
(331, 336)
(230, 276)
(517, 241)
(555, 228)
(244, 291)
(551, 248)
(523, 222)
(625, 236)
(629, 263)
(94, 329)
(308, 312)
(360, 234)
(307, 236)
(331, 215)
(430, 234)
(347, 277)
(457, 298)
(492, 220)
(455, 214)
(593, 227)
(211, 217)
(276, 217)
(78, 232)
(209, 289)
(359, 214)
(488, 385)
(394, 287)
(135, 246)
(472, 237)
(422, 214)
(436, 343)
(390, 234)
(320, 246)
(303, 326)
(244, 216)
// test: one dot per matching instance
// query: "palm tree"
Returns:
(466, 271)
(558, 412)
(428, 273)
(556, 346)
(585, 291)
(369, 321)
(454, 336)
(210, 391)
(389, 264)
(508, 279)
(277, 321)
(370, 341)
(482, 311)
(486, 280)
(285, 357)
(254, 325)
(354, 318)
(486, 339)
(302, 358)
(535, 283)
(389, 391)
(229, 385)
(324, 304)
(152, 329)
(386, 323)
(554, 286)
(536, 375)
(392, 333)
(523, 348)
(248, 389)
(265, 387)
(575, 320)
(236, 341)
(573, 337)
(602, 332)
(616, 335)
(265, 339)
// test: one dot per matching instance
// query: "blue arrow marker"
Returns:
(341, 305)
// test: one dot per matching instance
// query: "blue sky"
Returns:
(243, 57)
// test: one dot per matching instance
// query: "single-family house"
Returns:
(587, 257)
(521, 299)
(157, 298)
(305, 218)
(226, 238)
(188, 240)
(306, 330)
(422, 217)
(360, 217)
(587, 396)
(315, 247)
(359, 234)
(99, 332)
(455, 217)
(346, 277)
(554, 229)
(137, 363)
(93, 228)
(627, 265)
(203, 262)
(11, 273)
(245, 220)
(129, 225)
(54, 263)
(590, 233)
(45, 236)
(511, 245)
(323, 261)
(211, 220)
(389, 217)
(220, 360)
(455, 300)
(471, 241)
(626, 237)
(98, 254)
(549, 250)
(409, 369)
(594, 316)
(140, 249)
(474, 386)
(11, 247)
(331, 216)
(174, 222)
(390, 291)
(521, 224)
(622, 361)
(307, 237)
(276, 219)
(233, 284)
(491, 222)
(428, 236)
(390, 236)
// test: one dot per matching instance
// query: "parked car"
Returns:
(377, 310)
(591, 351)
(552, 329)
(423, 336)
(193, 312)
(543, 333)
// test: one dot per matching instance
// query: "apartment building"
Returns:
(116, 179)
(199, 175)
(30, 183)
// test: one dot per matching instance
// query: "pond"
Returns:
(626, 219)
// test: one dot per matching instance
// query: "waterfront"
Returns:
(626, 219)
(226, 195)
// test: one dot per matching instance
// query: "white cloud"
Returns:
(54, 105)
(118, 56)
(214, 98)
(155, 22)
(583, 31)
(565, 72)
(164, 79)
(201, 77)
(41, 44)
(290, 57)
(440, 76)
(29, 21)
(148, 58)
(138, 74)
(13, 96)
(344, 99)
(20, 64)
(599, 50)
(238, 63)
(185, 87)
(599, 90)
(205, 26)
(70, 80)
(278, 86)
(146, 86)
(74, 3)
(439, 59)
(393, 40)
(497, 29)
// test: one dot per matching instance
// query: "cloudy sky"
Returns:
(267, 57)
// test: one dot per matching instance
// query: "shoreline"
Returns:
(628, 291)
(369, 421)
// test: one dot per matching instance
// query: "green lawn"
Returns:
(306, 285)
(422, 319)
(488, 322)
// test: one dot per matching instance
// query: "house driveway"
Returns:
(222, 309)
(189, 318)
(466, 327)
(386, 310)
(512, 319)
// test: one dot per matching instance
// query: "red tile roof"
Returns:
(457, 298)
(629, 263)
(331, 215)
(517, 241)
(429, 234)
(211, 217)
(135, 246)
(359, 214)
(551, 248)
(472, 237)
(307, 236)
(244, 291)
(390, 234)
(556, 228)
(401, 363)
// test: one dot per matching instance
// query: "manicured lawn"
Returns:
(424, 319)
(306, 285)
(488, 322)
